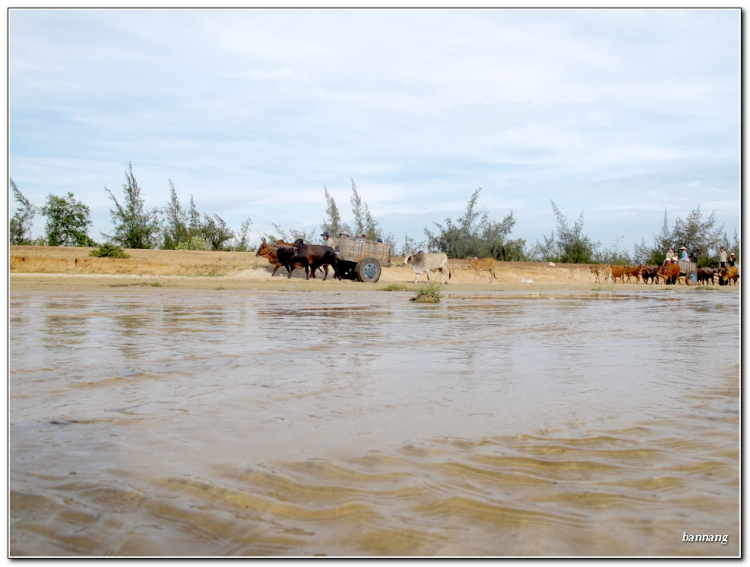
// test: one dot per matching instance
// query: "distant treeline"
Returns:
(175, 227)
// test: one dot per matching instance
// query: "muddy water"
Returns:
(152, 422)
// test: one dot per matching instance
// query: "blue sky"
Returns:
(616, 113)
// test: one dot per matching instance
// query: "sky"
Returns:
(619, 114)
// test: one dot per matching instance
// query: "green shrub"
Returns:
(109, 250)
(428, 293)
(195, 243)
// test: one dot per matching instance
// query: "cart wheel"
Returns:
(691, 277)
(368, 270)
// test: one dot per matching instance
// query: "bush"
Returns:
(195, 243)
(428, 293)
(68, 221)
(108, 250)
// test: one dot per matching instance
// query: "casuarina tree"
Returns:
(135, 227)
(20, 224)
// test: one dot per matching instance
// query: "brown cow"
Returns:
(271, 253)
(601, 273)
(618, 272)
(670, 273)
(728, 274)
(633, 271)
(485, 264)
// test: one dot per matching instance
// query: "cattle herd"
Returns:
(668, 274)
(312, 257)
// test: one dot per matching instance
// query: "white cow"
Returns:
(426, 263)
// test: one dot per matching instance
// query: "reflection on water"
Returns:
(245, 423)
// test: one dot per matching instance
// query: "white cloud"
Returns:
(253, 111)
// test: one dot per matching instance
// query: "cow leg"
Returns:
(276, 268)
(325, 269)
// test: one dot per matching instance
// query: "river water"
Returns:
(163, 422)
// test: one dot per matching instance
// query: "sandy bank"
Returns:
(45, 268)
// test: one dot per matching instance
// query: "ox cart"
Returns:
(689, 270)
(360, 259)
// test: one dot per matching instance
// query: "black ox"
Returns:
(317, 256)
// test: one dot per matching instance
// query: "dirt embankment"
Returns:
(34, 267)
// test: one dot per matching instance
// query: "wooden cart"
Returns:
(360, 259)
(689, 270)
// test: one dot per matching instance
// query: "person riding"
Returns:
(671, 257)
(328, 241)
(722, 257)
(684, 256)
(731, 260)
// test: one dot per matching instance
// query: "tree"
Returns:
(643, 254)
(612, 255)
(68, 221)
(243, 242)
(291, 235)
(216, 232)
(569, 245)
(474, 234)
(363, 221)
(735, 245)
(410, 246)
(134, 226)
(332, 224)
(20, 224)
(194, 225)
(698, 236)
(176, 229)
(358, 210)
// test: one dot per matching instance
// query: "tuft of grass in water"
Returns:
(157, 284)
(706, 288)
(428, 293)
(603, 287)
(394, 287)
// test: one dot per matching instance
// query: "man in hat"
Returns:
(327, 240)
(731, 259)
